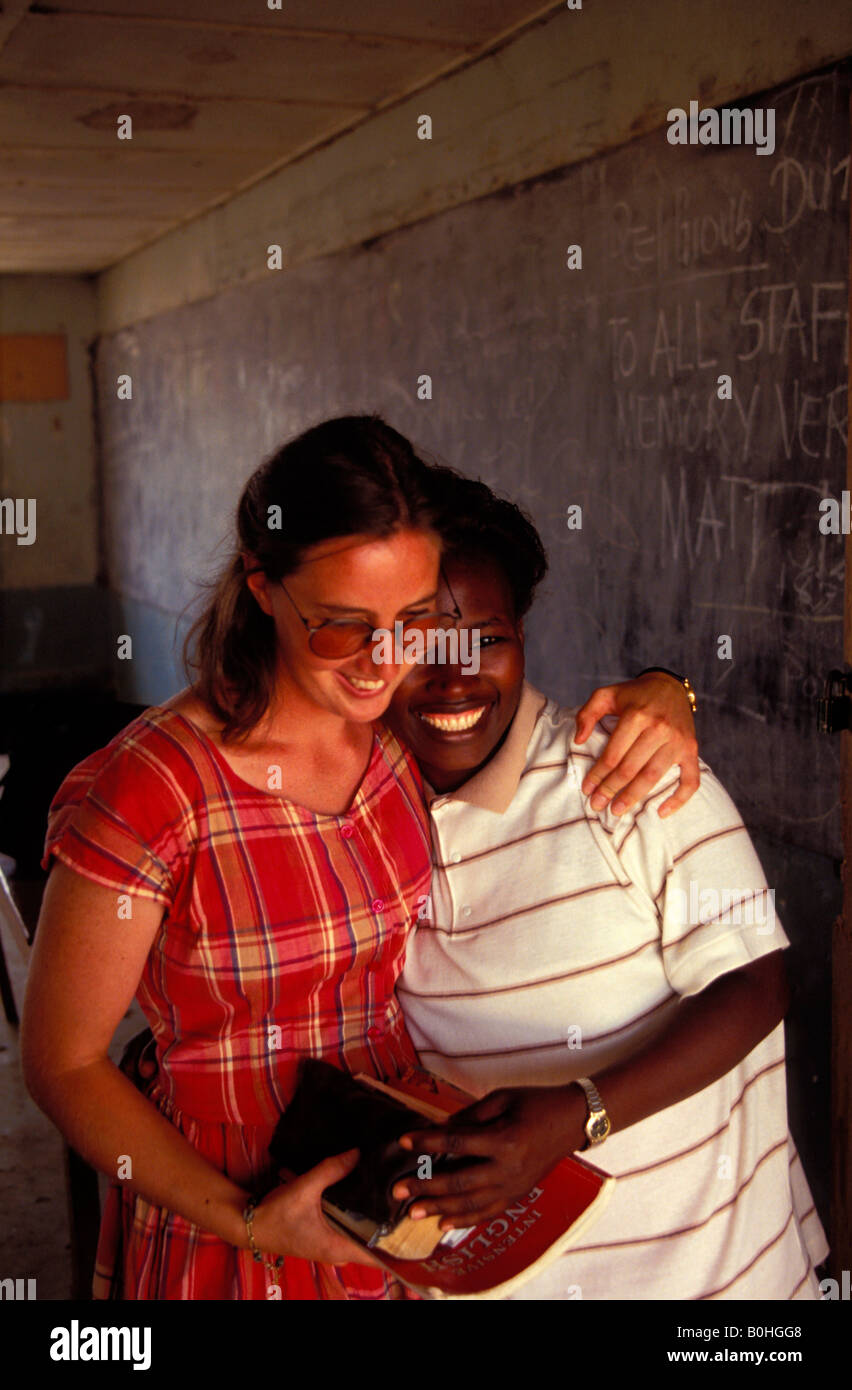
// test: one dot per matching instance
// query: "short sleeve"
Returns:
(700, 870)
(119, 819)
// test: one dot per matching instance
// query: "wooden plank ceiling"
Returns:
(221, 93)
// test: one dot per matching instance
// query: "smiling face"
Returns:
(453, 722)
(350, 577)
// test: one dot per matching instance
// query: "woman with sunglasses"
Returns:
(248, 859)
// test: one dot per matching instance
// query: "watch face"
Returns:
(598, 1128)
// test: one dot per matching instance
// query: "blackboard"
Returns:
(594, 386)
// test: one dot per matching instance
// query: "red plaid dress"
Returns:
(283, 936)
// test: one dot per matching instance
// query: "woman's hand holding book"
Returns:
(290, 1219)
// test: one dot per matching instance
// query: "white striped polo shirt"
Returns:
(557, 941)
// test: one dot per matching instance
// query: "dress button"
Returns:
(374, 1032)
(455, 858)
(466, 912)
(378, 904)
(346, 830)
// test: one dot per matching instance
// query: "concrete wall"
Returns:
(52, 626)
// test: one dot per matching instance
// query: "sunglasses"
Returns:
(338, 637)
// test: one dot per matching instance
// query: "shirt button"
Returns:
(455, 858)
(346, 830)
(466, 911)
(378, 904)
(374, 1032)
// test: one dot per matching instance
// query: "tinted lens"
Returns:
(334, 640)
(338, 639)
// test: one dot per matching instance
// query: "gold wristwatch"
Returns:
(598, 1123)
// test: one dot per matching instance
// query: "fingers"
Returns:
(342, 1249)
(646, 778)
(628, 751)
(599, 703)
(459, 1143)
(471, 1187)
(458, 1182)
(334, 1246)
(452, 1189)
(461, 1211)
(655, 715)
(630, 765)
(466, 1210)
(330, 1171)
(690, 780)
(291, 1221)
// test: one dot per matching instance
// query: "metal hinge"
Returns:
(834, 712)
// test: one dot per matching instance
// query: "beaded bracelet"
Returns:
(248, 1217)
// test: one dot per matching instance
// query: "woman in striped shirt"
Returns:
(247, 859)
(562, 942)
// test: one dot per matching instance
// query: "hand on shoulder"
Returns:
(655, 732)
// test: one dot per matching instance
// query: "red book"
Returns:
(501, 1254)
